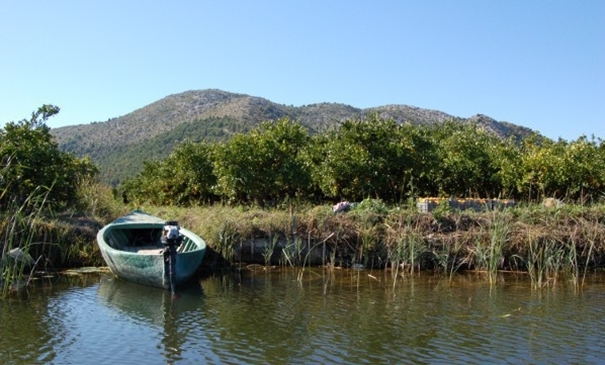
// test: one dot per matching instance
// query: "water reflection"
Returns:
(31, 332)
(319, 316)
(361, 317)
(155, 308)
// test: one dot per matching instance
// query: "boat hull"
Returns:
(146, 265)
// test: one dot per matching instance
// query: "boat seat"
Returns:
(153, 250)
(186, 246)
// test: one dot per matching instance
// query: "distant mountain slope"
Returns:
(120, 145)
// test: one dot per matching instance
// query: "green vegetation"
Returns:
(280, 162)
(36, 180)
(547, 244)
(261, 176)
(122, 160)
(32, 163)
(17, 238)
(265, 195)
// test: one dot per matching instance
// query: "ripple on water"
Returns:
(343, 317)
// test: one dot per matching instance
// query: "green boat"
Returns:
(148, 250)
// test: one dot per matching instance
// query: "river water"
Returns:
(323, 316)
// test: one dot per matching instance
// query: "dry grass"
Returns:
(540, 241)
(550, 244)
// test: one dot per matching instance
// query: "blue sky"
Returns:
(539, 64)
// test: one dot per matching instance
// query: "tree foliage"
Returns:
(376, 158)
(366, 158)
(264, 165)
(185, 178)
(31, 163)
(466, 157)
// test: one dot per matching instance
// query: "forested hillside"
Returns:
(120, 145)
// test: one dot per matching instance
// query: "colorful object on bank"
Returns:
(148, 250)
(426, 205)
(343, 206)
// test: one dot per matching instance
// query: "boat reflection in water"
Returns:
(153, 312)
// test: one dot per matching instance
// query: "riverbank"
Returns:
(541, 241)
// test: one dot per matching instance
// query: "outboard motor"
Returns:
(171, 239)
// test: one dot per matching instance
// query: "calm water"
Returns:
(258, 317)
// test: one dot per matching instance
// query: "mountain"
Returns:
(120, 145)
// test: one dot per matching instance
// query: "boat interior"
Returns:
(142, 240)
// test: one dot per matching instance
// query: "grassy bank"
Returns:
(547, 243)
(34, 239)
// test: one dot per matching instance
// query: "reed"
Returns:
(562, 242)
(573, 264)
(490, 244)
(17, 235)
(449, 256)
(97, 200)
(330, 252)
(583, 242)
(269, 248)
(309, 252)
(369, 239)
(544, 260)
(405, 245)
(228, 237)
(593, 237)
(292, 252)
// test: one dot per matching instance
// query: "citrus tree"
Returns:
(263, 165)
(465, 158)
(186, 177)
(584, 166)
(369, 157)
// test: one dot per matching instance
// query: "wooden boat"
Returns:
(148, 250)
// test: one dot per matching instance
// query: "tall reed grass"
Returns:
(17, 232)
(490, 243)
(405, 244)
